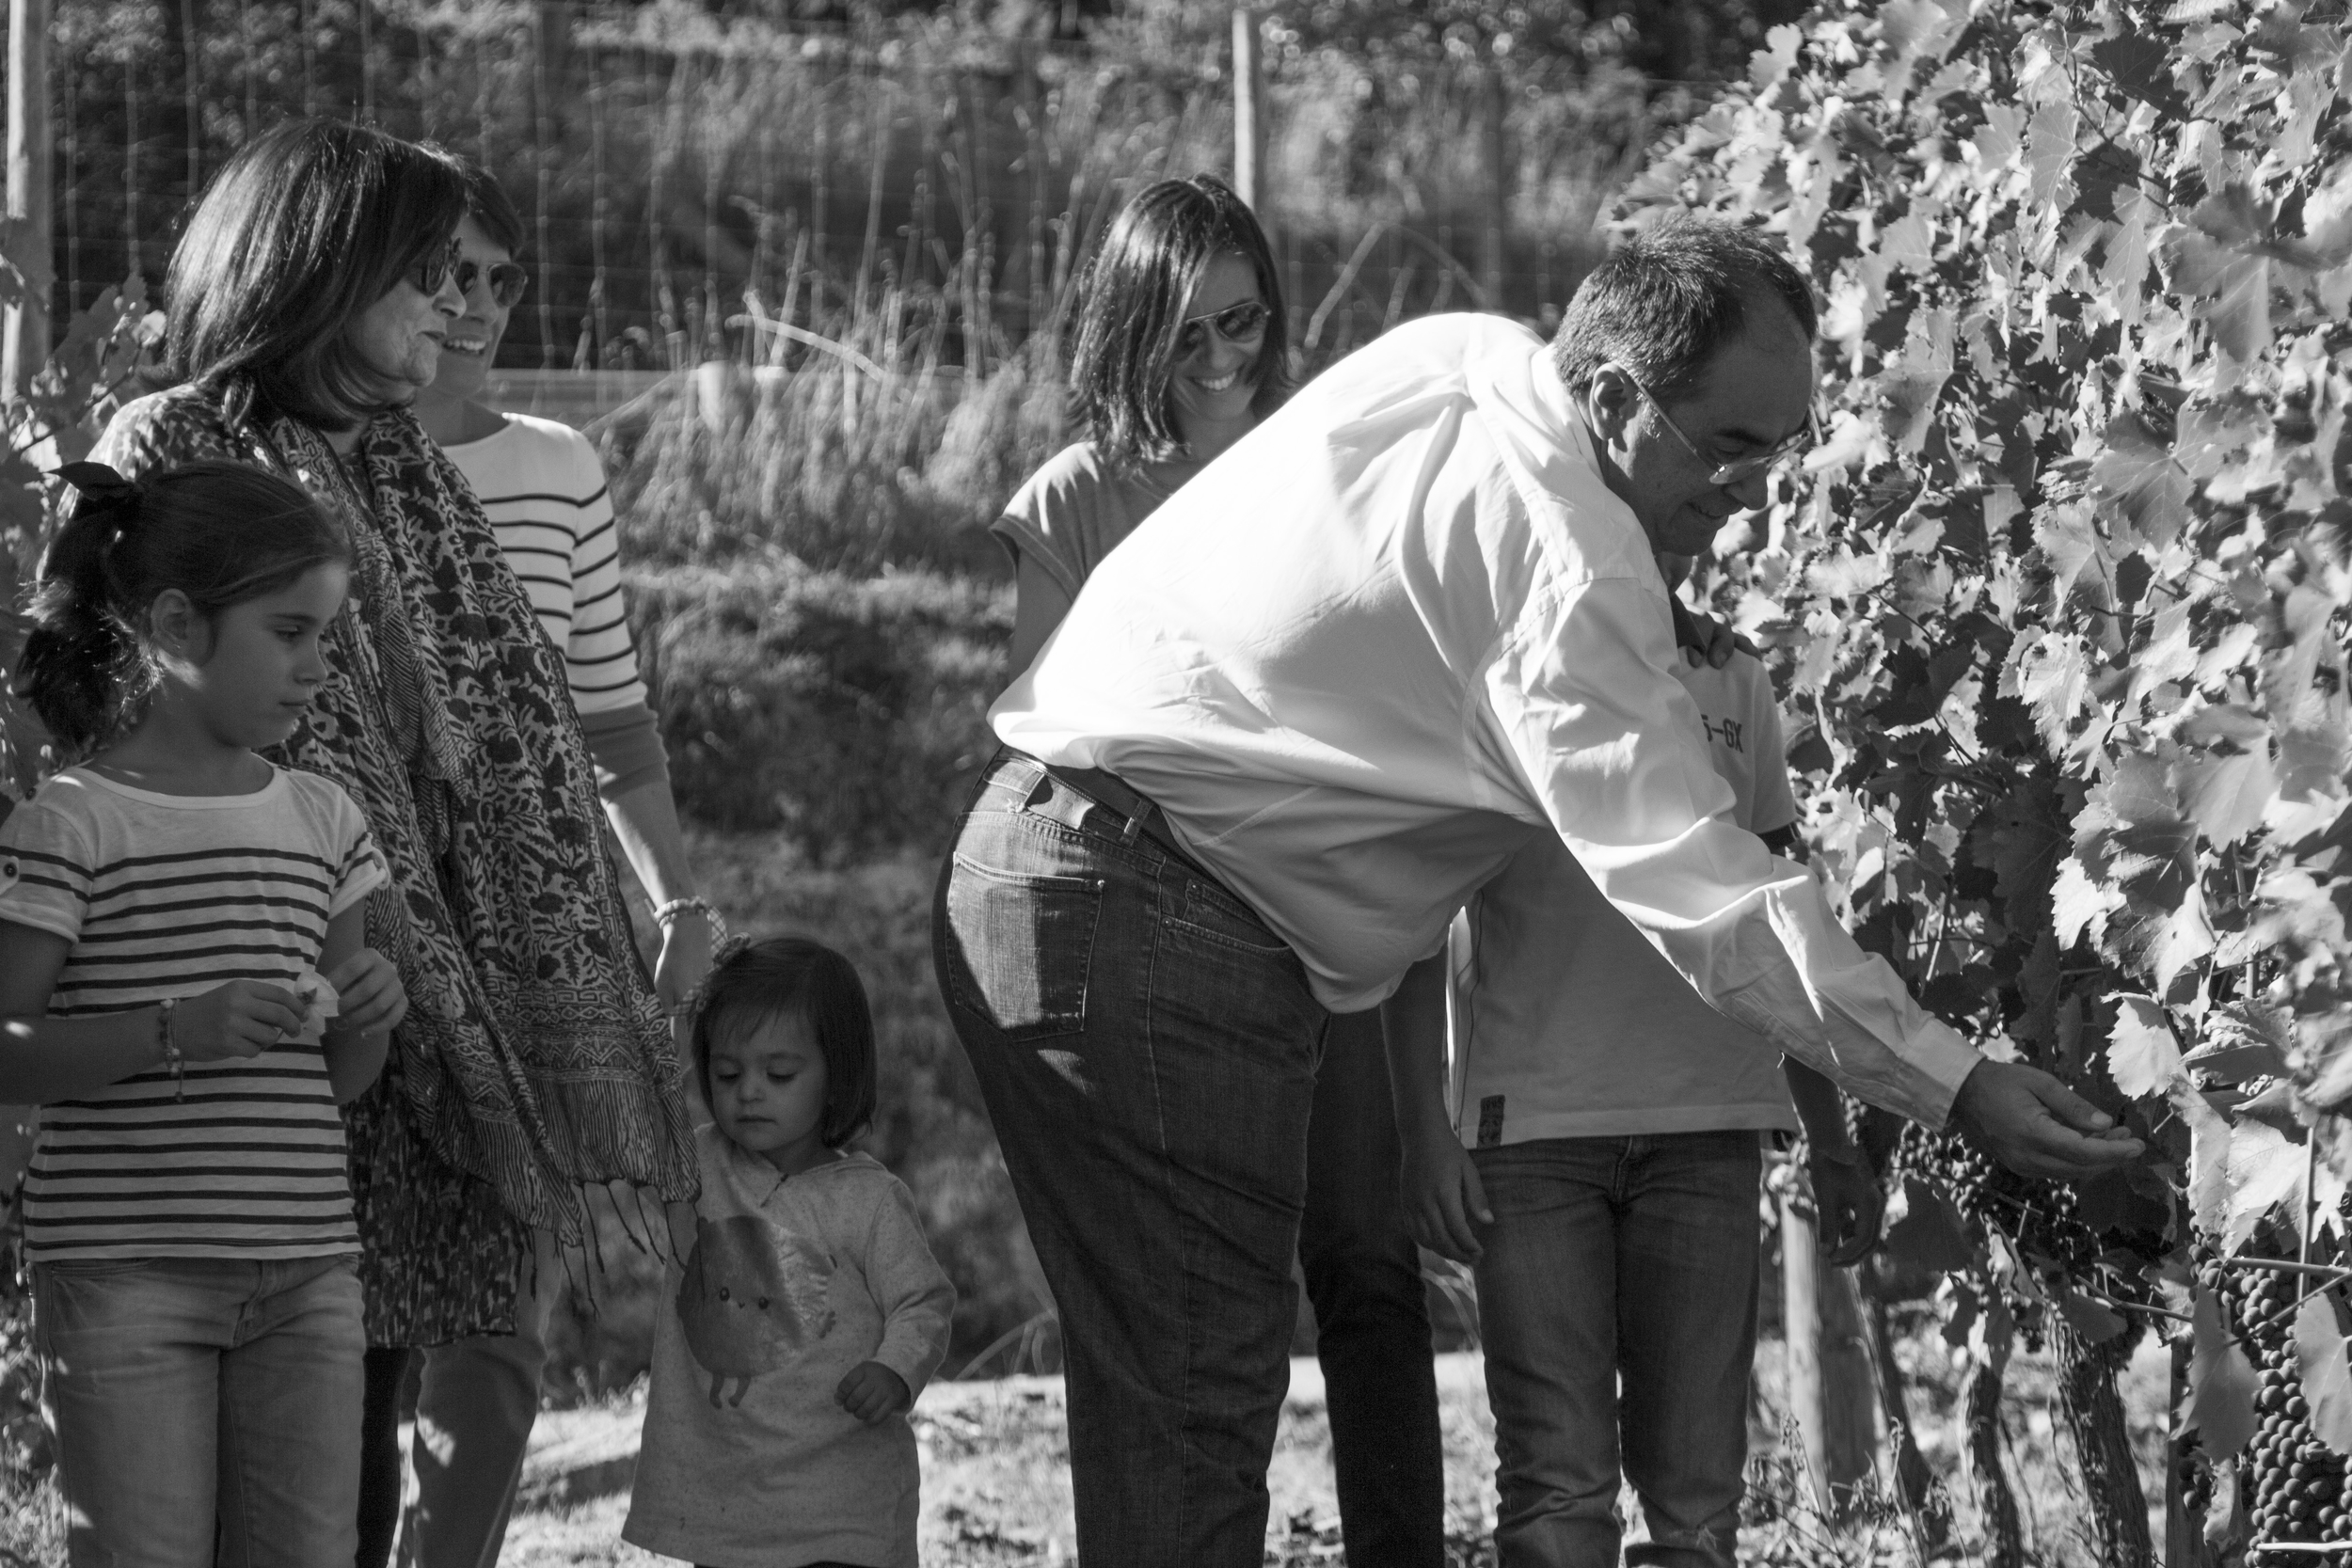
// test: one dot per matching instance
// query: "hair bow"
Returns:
(103, 491)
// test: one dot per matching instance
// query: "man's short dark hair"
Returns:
(302, 229)
(1666, 302)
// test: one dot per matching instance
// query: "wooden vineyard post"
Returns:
(1249, 112)
(24, 344)
(1829, 1364)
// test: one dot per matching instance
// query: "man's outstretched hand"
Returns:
(2037, 1126)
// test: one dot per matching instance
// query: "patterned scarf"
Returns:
(535, 1055)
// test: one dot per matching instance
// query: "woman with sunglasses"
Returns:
(543, 487)
(306, 305)
(1180, 349)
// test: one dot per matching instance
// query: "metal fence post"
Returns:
(24, 344)
(1249, 111)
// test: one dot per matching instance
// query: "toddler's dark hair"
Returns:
(795, 977)
(219, 532)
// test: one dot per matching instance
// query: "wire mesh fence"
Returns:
(699, 186)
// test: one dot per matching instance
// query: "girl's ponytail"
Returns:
(82, 669)
(218, 532)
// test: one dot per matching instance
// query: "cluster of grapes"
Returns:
(2294, 1484)
(2039, 1216)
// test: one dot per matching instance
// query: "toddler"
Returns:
(806, 1312)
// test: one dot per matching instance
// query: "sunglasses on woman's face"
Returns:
(433, 269)
(1239, 324)
(507, 282)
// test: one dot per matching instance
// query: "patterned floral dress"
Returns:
(535, 1061)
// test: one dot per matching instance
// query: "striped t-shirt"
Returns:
(170, 895)
(543, 488)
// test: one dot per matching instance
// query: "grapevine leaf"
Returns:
(2093, 1323)
(2221, 1383)
(1920, 683)
(2079, 904)
(2141, 65)
(2226, 796)
(1930, 1235)
(2143, 1057)
(2319, 1349)
(2265, 1168)
(2208, 1160)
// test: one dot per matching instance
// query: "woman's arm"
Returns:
(644, 819)
(44, 1059)
(1039, 604)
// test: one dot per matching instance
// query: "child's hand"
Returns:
(371, 993)
(240, 1020)
(871, 1392)
(1445, 1203)
(1848, 1201)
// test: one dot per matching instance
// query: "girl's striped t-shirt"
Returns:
(170, 895)
(543, 488)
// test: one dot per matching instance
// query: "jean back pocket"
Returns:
(1019, 946)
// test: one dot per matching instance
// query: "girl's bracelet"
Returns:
(171, 1047)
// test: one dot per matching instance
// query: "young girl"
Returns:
(808, 1312)
(185, 993)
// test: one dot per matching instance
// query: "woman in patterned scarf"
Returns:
(307, 301)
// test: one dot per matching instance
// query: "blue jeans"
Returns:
(200, 1399)
(1147, 1050)
(1609, 1258)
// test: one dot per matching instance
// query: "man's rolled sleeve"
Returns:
(1610, 745)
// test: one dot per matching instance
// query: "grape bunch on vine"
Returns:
(2060, 598)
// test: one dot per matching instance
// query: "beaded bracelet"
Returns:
(665, 913)
(171, 1047)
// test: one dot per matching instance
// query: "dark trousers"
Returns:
(1372, 1318)
(1617, 1296)
(1147, 1049)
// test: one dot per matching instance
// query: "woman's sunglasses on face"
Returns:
(507, 282)
(507, 279)
(1239, 324)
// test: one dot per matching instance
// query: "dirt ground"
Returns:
(996, 1488)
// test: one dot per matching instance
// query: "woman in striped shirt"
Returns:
(166, 908)
(543, 488)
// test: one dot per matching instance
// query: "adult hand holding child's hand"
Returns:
(871, 1391)
(242, 1019)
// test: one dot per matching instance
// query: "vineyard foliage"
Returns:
(2063, 590)
(55, 421)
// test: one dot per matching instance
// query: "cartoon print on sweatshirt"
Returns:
(753, 1297)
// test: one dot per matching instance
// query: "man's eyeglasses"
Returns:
(1239, 324)
(433, 269)
(507, 282)
(1721, 473)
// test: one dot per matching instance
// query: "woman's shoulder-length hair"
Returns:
(300, 231)
(1133, 295)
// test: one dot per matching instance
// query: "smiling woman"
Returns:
(308, 302)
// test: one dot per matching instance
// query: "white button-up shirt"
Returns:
(1398, 628)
